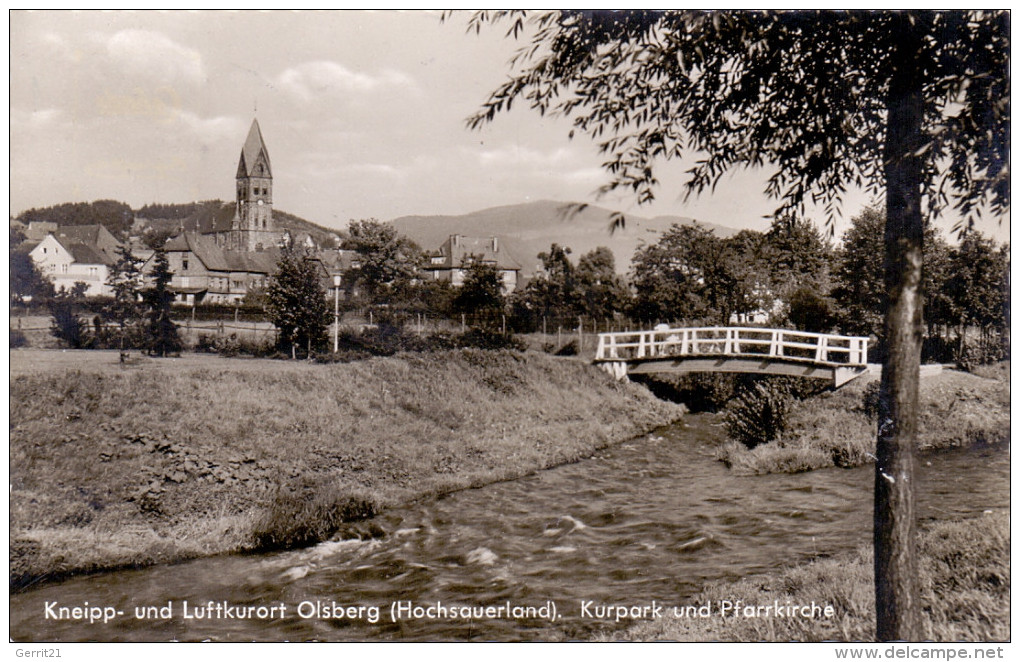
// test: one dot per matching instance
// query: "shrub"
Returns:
(488, 339)
(233, 345)
(569, 349)
(66, 326)
(759, 414)
(18, 339)
(869, 401)
(307, 512)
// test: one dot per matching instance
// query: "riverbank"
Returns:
(964, 581)
(838, 428)
(161, 460)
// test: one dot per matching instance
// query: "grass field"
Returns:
(157, 460)
(964, 581)
(838, 428)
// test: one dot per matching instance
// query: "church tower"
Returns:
(253, 228)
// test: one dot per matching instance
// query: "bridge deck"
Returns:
(734, 349)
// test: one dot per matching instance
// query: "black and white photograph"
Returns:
(510, 326)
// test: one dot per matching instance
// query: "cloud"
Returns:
(523, 156)
(154, 56)
(35, 118)
(311, 80)
(212, 129)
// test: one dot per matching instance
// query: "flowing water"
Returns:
(653, 519)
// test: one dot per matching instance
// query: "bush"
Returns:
(66, 326)
(759, 414)
(569, 349)
(18, 339)
(233, 345)
(488, 339)
(307, 512)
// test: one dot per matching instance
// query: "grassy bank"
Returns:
(838, 428)
(965, 594)
(168, 459)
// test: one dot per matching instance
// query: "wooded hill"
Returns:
(121, 220)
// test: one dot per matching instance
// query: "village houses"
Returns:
(454, 257)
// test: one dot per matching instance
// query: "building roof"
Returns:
(222, 220)
(216, 258)
(253, 147)
(458, 249)
(37, 230)
(85, 254)
(94, 236)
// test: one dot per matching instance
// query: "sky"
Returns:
(363, 114)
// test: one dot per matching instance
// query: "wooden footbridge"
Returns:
(734, 349)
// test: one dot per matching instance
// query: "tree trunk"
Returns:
(896, 591)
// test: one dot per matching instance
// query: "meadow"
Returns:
(158, 460)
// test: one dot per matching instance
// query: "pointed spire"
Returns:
(253, 147)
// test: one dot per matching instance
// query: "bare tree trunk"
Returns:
(896, 591)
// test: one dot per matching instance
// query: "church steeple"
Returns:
(254, 153)
(254, 218)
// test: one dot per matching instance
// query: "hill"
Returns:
(122, 221)
(530, 228)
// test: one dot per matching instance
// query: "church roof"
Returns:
(253, 146)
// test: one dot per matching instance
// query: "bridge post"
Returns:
(820, 351)
(617, 369)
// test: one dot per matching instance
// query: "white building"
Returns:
(77, 254)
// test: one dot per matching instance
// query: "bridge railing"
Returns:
(733, 341)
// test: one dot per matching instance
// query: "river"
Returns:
(655, 518)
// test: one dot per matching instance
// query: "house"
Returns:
(451, 260)
(204, 272)
(77, 254)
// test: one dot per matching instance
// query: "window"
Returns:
(184, 264)
(63, 268)
(94, 272)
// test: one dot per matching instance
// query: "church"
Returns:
(237, 251)
(250, 226)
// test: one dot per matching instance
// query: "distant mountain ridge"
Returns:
(530, 228)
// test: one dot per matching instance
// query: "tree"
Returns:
(601, 292)
(859, 275)
(689, 274)
(65, 324)
(163, 336)
(481, 293)
(388, 261)
(977, 287)
(27, 282)
(795, 256)
(125, 280)
(916, 102)
(296, 302)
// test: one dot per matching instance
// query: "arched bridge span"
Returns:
(838, 359)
